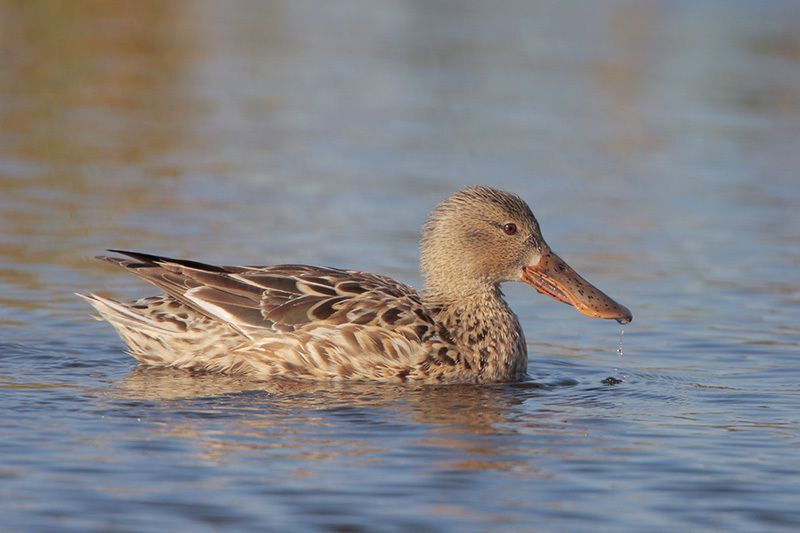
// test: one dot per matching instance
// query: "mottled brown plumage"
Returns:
(325, 323)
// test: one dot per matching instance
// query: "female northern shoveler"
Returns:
(324, 323)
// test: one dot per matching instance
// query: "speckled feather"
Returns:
(289, 320)
(325, 323)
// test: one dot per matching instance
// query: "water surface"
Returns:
(656, 142)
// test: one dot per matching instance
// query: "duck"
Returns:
(324, 323)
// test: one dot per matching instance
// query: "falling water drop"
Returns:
(612, 380)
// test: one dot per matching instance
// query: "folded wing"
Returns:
(283, 298)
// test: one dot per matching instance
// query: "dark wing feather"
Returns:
(157, 259)
(283, 297)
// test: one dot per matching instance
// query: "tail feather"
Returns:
(173, 330)
(120, 314)
(161, 339)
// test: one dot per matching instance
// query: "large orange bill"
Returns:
(553, 277)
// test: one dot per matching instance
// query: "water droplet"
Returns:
(619, 348)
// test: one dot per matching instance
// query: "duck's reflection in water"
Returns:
(456, 427)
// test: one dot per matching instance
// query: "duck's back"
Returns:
(287, 320)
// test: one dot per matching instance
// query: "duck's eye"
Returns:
(510, 228)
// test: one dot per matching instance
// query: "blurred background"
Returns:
(657, 142)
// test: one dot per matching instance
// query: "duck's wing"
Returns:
(284, 298)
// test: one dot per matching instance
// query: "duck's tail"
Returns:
(160, 331)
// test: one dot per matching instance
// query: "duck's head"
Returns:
(481, 237)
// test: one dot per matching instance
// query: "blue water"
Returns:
(656, 142)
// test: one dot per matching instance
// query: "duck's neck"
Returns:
(485, 330)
